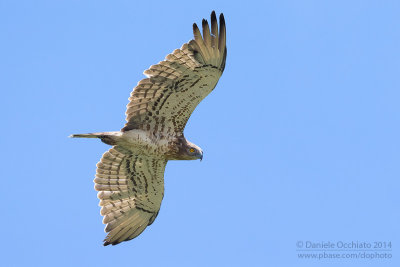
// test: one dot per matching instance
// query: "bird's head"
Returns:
(194, 152)
(190, 151)
(182, 149)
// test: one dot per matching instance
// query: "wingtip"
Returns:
(107, 242)
(213, 17)
(197, 33)
(222, 19)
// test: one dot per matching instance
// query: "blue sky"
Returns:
(300, 138)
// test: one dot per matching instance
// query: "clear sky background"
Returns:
(301, 137)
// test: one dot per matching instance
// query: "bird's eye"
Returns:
(191, 150)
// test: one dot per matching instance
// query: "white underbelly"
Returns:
(143, 142)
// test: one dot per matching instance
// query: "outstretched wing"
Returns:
(131, 188)
(174, 87)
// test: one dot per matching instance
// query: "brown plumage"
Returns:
(130, 176)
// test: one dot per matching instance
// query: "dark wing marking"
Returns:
(131, 188)
(164, 101)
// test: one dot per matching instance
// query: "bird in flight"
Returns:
(130, 176)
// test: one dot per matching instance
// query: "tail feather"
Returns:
(88, 135)
(109, 138)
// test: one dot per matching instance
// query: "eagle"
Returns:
(130, 176)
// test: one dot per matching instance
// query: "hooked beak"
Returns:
(201, 156)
